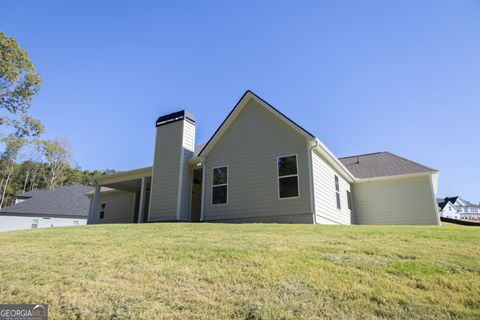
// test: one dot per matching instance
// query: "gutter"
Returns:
(398, 176)
(330, 157)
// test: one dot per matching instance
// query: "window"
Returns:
(337, 189)
(75, 222)
(465, 209)
(474, 210)
(34, 223)
(287, 177)
(102, 210)
(349, 200)
(220, 185)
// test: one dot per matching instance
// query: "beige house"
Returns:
(260, 166)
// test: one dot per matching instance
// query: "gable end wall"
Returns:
(249, 147)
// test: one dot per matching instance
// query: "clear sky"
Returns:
(363, 76)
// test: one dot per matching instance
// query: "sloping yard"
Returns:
(219, 271)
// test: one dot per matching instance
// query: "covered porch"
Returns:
(121, 197)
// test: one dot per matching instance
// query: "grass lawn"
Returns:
(257, 271)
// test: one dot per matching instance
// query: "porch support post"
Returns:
(141, 206)
(94, 206)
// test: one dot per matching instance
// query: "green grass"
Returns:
(219, 271)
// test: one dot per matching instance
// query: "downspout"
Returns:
(202, 203)
(312, 191)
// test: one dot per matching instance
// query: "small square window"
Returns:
(75, 222)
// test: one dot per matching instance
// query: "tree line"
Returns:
(28, 162)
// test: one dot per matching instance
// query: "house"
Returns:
(260, 166)
(65, 206)
(458, 208)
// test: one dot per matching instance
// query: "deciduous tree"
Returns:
(19, 83)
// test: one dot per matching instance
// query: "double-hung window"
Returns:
(349, 200)
(34, 223)
(220, 185)
(287, 167)
(337, 190)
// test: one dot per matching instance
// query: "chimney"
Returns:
(170, 193)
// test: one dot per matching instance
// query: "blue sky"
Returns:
(364, 76)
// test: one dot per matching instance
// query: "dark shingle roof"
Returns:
(381, 164)
(443, 202)
(65, 201)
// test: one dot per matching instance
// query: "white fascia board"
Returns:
(398, 176)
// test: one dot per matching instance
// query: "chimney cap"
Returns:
(175, 116)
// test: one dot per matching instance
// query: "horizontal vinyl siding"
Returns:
(166, 171)
(10, 223)
(119, 207)
(407, 201)
(294, 218)
(325, 194)
(189, 136)
(249, 147)
(186, 191)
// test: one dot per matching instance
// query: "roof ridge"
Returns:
(254, 95)
(361, 155)
(411, 161)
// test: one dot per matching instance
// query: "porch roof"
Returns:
(124, 176)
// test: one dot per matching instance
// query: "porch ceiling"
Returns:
(129, 185)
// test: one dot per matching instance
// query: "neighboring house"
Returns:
(28, 195)
(260, 166)
(65, 206)
(458, 208)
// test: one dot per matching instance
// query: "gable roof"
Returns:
(382, 164)
(443, 202)
(68, 201)
(247, 96)
(466, 203)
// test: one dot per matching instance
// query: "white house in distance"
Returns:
(458, 208)
(65, 206)
(260, 166)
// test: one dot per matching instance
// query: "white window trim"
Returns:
(220, 185)
(348, 192)
(337, 191)
(287, 176)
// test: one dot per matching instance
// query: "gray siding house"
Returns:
(260, 166)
